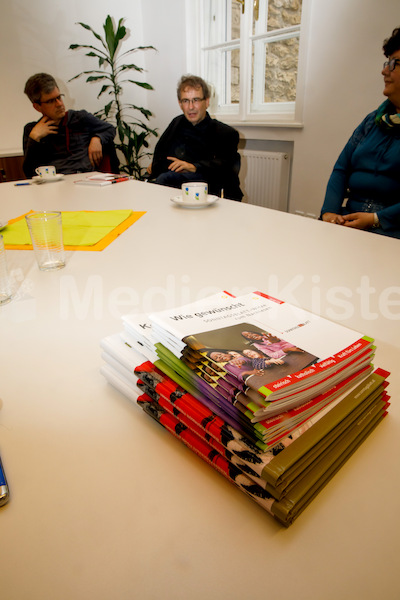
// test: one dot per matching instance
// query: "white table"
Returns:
(105, 503)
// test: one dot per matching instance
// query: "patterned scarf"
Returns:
(386, 118)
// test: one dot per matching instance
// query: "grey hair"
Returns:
(192, 81)
(41, 83)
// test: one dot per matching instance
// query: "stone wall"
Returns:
(281, 57)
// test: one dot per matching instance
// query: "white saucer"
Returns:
(179, 202)
(3, 224)
(38, 179)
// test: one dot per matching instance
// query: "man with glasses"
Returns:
(195, 147)
(73, 141)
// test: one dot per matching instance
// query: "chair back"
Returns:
(109, 162)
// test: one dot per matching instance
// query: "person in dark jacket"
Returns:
(367, 171)
(195, 147)
(73, 141)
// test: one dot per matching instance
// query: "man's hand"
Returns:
(179, 166)
(95, 151)
(43, 128)
(359, 220)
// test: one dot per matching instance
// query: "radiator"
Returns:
(264, 178)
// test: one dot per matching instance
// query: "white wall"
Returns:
(164, 28)
(35, 37)
(344, 83)
(343, 72)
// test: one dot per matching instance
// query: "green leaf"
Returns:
(97, 78)
(139, 48)
(113, 37)
(85, 26)
(95, 71)
(129, 67)
(120, 33)
(142, 84)
(75, 77)
(108, 107)
(109, 35)
(96, 35)
(104, 88)
(145, 111)
(75, 46)
(88, 73)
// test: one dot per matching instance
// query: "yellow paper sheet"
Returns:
(82, 230)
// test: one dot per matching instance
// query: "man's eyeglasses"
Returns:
(53, 100)
(391, 63)
(187, 101)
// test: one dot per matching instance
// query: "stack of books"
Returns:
(272, 396)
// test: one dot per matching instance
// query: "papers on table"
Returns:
(102, 179)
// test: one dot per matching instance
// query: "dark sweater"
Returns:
(210, 145)
(67, 150)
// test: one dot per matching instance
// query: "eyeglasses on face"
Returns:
(53, 100)
(391, 63)
(187, 101)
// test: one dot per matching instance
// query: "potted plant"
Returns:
(132, 130)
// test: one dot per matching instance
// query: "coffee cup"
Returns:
(46, 172)
(194, 192)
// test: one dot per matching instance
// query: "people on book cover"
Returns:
(258, 359)
(236, 364)
(250, 352)
(241, 365)
(269, 344)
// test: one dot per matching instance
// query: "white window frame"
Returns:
(279, 114)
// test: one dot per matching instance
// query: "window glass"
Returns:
(271, 16)
(274, 71)
(221, 20)
(223, 68)
(249, 53)
(235, 19)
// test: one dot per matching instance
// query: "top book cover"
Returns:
(272, 346)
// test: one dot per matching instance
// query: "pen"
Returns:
(120, 179)
(23, 183)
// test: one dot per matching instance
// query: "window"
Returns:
(249, 51)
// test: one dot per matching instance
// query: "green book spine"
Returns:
(276, 469)
(317, 454)
(289, 508)
(308, 460)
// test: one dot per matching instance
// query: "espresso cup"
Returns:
(46, 172)
(195, 191)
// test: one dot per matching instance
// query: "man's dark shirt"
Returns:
(67, 150)
(210, 145)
